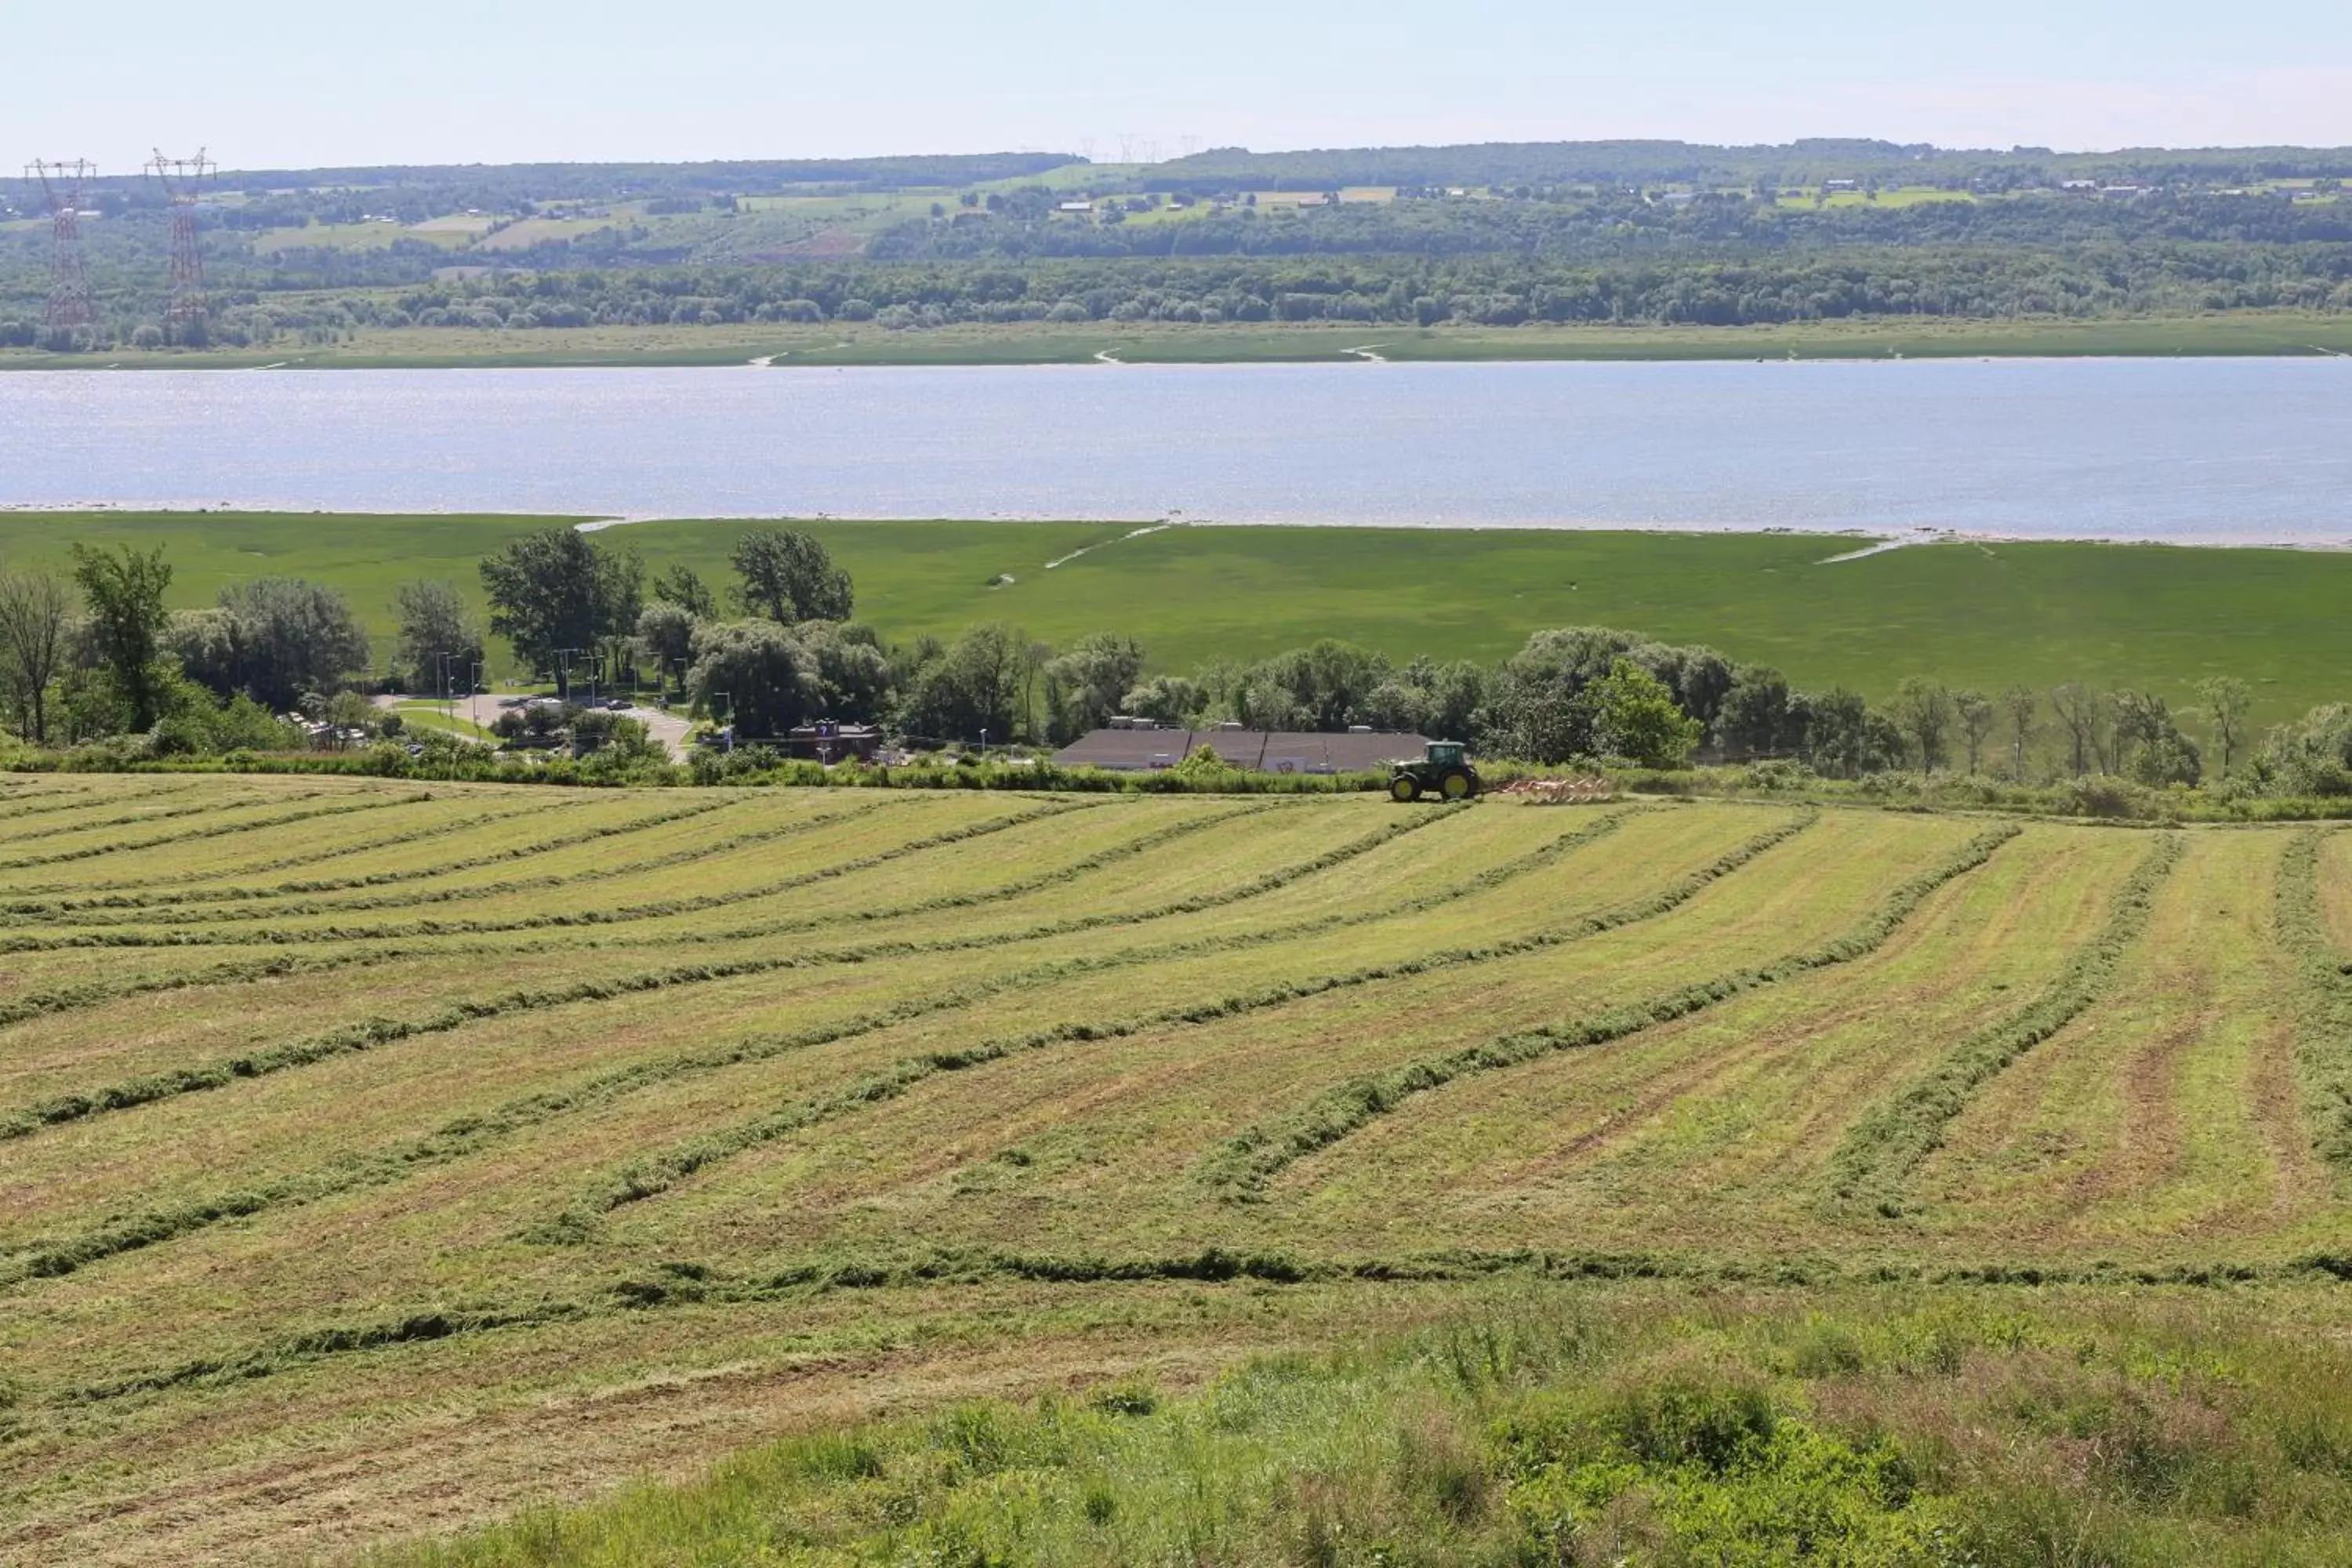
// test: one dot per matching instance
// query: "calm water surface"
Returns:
(2204, 450)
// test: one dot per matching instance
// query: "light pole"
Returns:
(474, 695)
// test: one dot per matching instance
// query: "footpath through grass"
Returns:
(1982, 615)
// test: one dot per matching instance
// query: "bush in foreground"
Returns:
(1928, 1428)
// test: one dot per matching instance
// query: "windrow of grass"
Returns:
(169, 876)
(45, 1257)
(281, 964)
(1888, 1143)
(1060, 1095)
(1240, 1170)
(113, 845)
(1710, 1134)
(552, 918)
(601, 982)
(373, 1033)
(656, 1174)
(2324, 1053)
(149, 811)
(180, 907)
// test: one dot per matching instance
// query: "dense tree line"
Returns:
(95, 654)
(1802, 162)
(1605, 255)
(1380, 290)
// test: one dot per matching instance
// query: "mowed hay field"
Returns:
(381, 1158)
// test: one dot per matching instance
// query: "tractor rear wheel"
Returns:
(1404, 788)
(1457, 786)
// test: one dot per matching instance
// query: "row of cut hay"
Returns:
(594, 1140)
(717, 1014)
(404, 974)
(1710, 1135)
(2165, 1118)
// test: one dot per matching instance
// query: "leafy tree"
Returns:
(1165, 700)
(1977, 716)
(556, 592)
(2227, 700)
(2083, 714)
(1758, 717)
(123, 589)
(755, 675)
(1325, 686)
(1084, 686)
(665, 632)
(1441, 701)
(1923, 711)
(34, 617)
(2312, 756)
(787, 577)
(681, 586)
(854, 678)
(285, 638)
(1842, 738)
(2148, 744)
(202, 643)
(1636, 716)
(969, 688)
(1699, 677)
(2019, 705)
(1535, 707)
(434, 620)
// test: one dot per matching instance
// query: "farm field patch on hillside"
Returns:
(385, 1158)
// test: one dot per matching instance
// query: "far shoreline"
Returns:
(1111, 345)
(1869, 541)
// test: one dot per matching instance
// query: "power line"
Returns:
(184, 180)
(61, 182)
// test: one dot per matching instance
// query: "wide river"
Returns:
(2206, 450)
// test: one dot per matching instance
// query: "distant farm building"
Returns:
(1135, 745)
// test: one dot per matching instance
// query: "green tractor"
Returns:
(1444, 771)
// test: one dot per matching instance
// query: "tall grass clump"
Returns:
(1579, 1428)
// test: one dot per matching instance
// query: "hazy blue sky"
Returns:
(272, 83)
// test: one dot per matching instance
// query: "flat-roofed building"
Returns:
(1129, 747)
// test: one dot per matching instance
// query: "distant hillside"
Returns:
(609, 181)
(1804, 163)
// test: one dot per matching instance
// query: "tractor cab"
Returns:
(1444, 770)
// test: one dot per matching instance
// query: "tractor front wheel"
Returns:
(1404, 789)
(1457, 786)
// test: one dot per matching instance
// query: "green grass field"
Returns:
(1980, 614)
(839, 342)
(384, 1159)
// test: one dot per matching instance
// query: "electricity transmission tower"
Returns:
(61, 186)
(184, 180)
